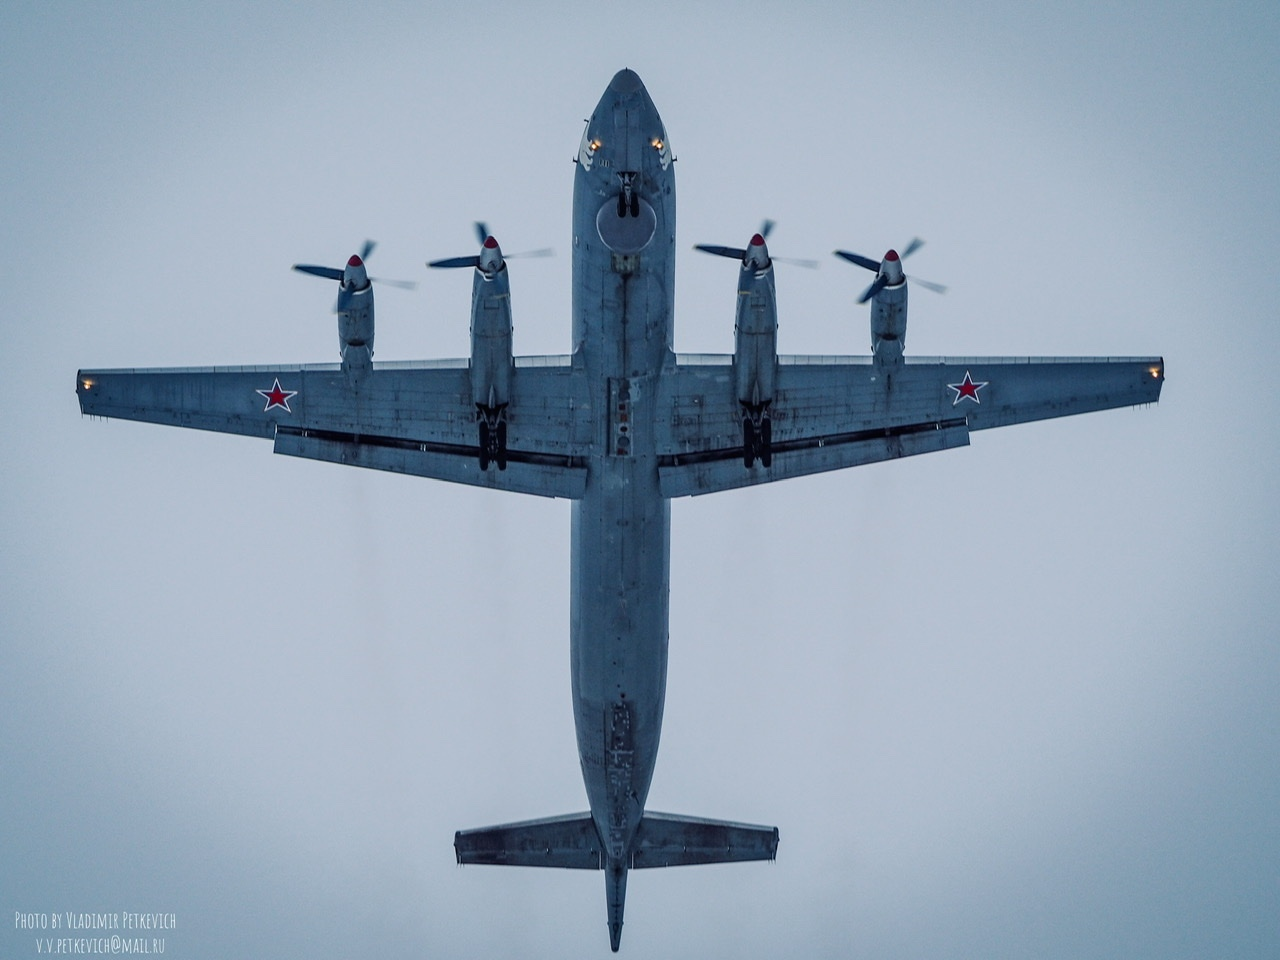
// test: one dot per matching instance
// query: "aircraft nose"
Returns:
(625, 81)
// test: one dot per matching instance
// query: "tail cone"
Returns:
(615, 882)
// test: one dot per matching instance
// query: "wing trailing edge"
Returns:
(544, 475)
(709, 471)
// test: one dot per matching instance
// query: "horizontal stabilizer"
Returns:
(668, 840)
(570, 841)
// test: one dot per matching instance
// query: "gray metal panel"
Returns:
(569, 841)
(669, 840)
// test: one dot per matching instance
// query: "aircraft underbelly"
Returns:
(621, 549)
(621, 534)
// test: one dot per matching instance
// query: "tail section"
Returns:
(615, 892)
(573, 842)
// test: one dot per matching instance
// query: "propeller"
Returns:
(738, 253)
(352, 281)
(879, 284)
(483, 235)
(882, 280)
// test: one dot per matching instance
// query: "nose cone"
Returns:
(625, 81)
(625, 133)
(891, 268)
(757, 256)
(354, 275)
(490, 261)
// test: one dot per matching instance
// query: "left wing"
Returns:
(406, 417)
(834, 412)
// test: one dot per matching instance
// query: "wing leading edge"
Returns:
(836, 412)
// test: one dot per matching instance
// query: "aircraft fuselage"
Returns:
(623, 302)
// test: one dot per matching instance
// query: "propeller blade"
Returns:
(398, 284)
(875, 288)
(482, 235)
(344, 300)
(935, 287)
(915, 244)
(865, 262)
(807, 264)
(733, 253)
(766, 227)
(329, 273)
(367, 249)
(452, 262)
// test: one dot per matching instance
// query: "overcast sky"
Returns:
(1013, 700)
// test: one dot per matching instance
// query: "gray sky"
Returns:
(1012, 700)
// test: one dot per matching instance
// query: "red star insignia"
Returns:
(967, 388)
(277, 397)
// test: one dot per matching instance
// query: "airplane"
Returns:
(620, 427)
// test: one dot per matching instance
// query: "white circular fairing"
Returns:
(627, 234)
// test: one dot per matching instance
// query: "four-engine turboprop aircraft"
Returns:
(620, 426)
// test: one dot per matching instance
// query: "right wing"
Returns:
(834, 412)
(406, 417)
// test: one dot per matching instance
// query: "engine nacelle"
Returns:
(491, 348)
(355, 327)
(492, 361)
(888, 296)
(889, 310)
(755, 332)
(889, 323)
(355, 314)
